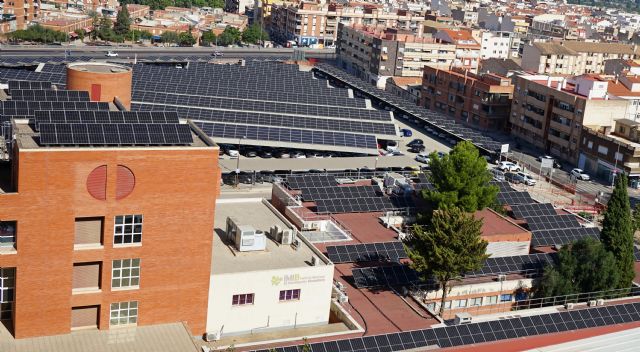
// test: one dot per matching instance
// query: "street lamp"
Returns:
(238, 161)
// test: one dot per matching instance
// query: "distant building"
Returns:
(482, 101)
(502, 67)
(467, 48)
(499, 45)
(572, 57)
(377, 53)
(405, 87)
(237, 6)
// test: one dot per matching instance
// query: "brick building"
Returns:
(96, 237)
(482, 101)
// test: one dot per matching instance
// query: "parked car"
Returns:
(415, 142)
(417, 148)
(312, 154)
(526, 178)
(580, 174)
(233, 153)
(111, 54)
(265, 154)
(513, 178)
(556, 164)
(250, 153)
(329, 154)
(498, 174)
(282, 154)
(217, 53)
(406, 132)
(422, 157)
(298, 155)
(392, 146)
(509, 166)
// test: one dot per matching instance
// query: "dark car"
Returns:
(265, 154)
(415, 142)
(250, 153)
(417, 148)
(513, 178)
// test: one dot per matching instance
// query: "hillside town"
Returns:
(319, 176)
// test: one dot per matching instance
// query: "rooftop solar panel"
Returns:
(536, 209)
(310, 181)
(540, 238)
(395, 275)
(55, 134)
(552, 222)
(365, 252)
(515, 198)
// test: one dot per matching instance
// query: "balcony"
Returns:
(558, 141)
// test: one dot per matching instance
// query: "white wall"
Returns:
(268, 312)
(507, 248)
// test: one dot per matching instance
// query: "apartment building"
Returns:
(96, 237)
(499, 45)
(376, 53)
(573, 57)
(467, 48)
(550, 112)
(479, 100)
(19, 13)
(316, 23)
(238, 6)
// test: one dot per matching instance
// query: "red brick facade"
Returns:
(175, 191)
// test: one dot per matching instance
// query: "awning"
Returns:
(156, 37)
(73, 34)
(88, 29)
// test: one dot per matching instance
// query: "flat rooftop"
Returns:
(227, 259)
(98, 67)
(28, 138)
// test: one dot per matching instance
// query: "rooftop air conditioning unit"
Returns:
(286, 237)
(600, 302)
(570, 305)
(343, 298)
(212, 336)
(592, 303)
(339, 285)
(502, 277)
(463, 318)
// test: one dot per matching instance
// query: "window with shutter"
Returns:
(86, 277)
(84, 317)
(88, 232)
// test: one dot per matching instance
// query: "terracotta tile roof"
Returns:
(495, 224)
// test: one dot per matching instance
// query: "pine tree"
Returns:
(123, 21)
(617, 231)
(449, 247)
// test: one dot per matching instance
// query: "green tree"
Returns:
(105, 28)
(254, 34)
(123, 21)
(617, 231)
(450, 246)
(229, 36)
(636, 218)
(208, 38)
(37, 34)
(95, 24)
(81, 33)
(169, 37)
(186, 39)
(585, 266)
(460, 179)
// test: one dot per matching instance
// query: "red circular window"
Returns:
(97, 183)
(125, 182)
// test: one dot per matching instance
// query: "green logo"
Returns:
(276, 280)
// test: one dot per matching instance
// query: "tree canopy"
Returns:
(123, 21)
(617, 231)
(460, 179)
(584, 266)
(208, 38)
(169, 37)
(38, 34)
(448, 247)
(161, 4)
(186, 39)
(229, 36)
(254, 34)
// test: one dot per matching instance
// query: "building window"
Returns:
(125, 273)
(88, 232)
(506, 298)
(459, 303)
(476, 301)
(603, 150)
(128, 229)
(124, 313)
(619, 156)
(7, 289)
(242, 299)
(7, 234)
(290, 295)
(590, 145)
(86, 277)
(491, 300)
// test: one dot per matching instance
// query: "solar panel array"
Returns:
(13, 85)
(363, 205)
(287, 135)
(22, 74)
(482, 332)
(536, 209)
(382, 276)
(49, 95)
(436, 120)
(26, 109)
(514, 198)
(325, 192)
(514, 264)
(367, 252)
(562, 236)
(552, 222)
(53, 134)
(310, 181)
(104, 117)
(266, 119)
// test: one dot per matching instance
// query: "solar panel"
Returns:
(514, 198)
(13, 85)
(309, 181)
(26, 109)
(536, 209)
(514, 264)
(366, 252)
(142, 117)
(379, 276)
(552, 222)
(114, 134)
(562, 236)
(363, 204)
(504, 186)
(326, 192)
(481, 332)
(49, 95)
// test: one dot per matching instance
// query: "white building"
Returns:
(496, 45)
(281, 286)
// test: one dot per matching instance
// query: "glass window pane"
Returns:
(133, 304)
(117, 264)
(134, 281)
(115, 283)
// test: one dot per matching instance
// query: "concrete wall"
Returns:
(531, 59)
(175, 191)
(267, 312)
